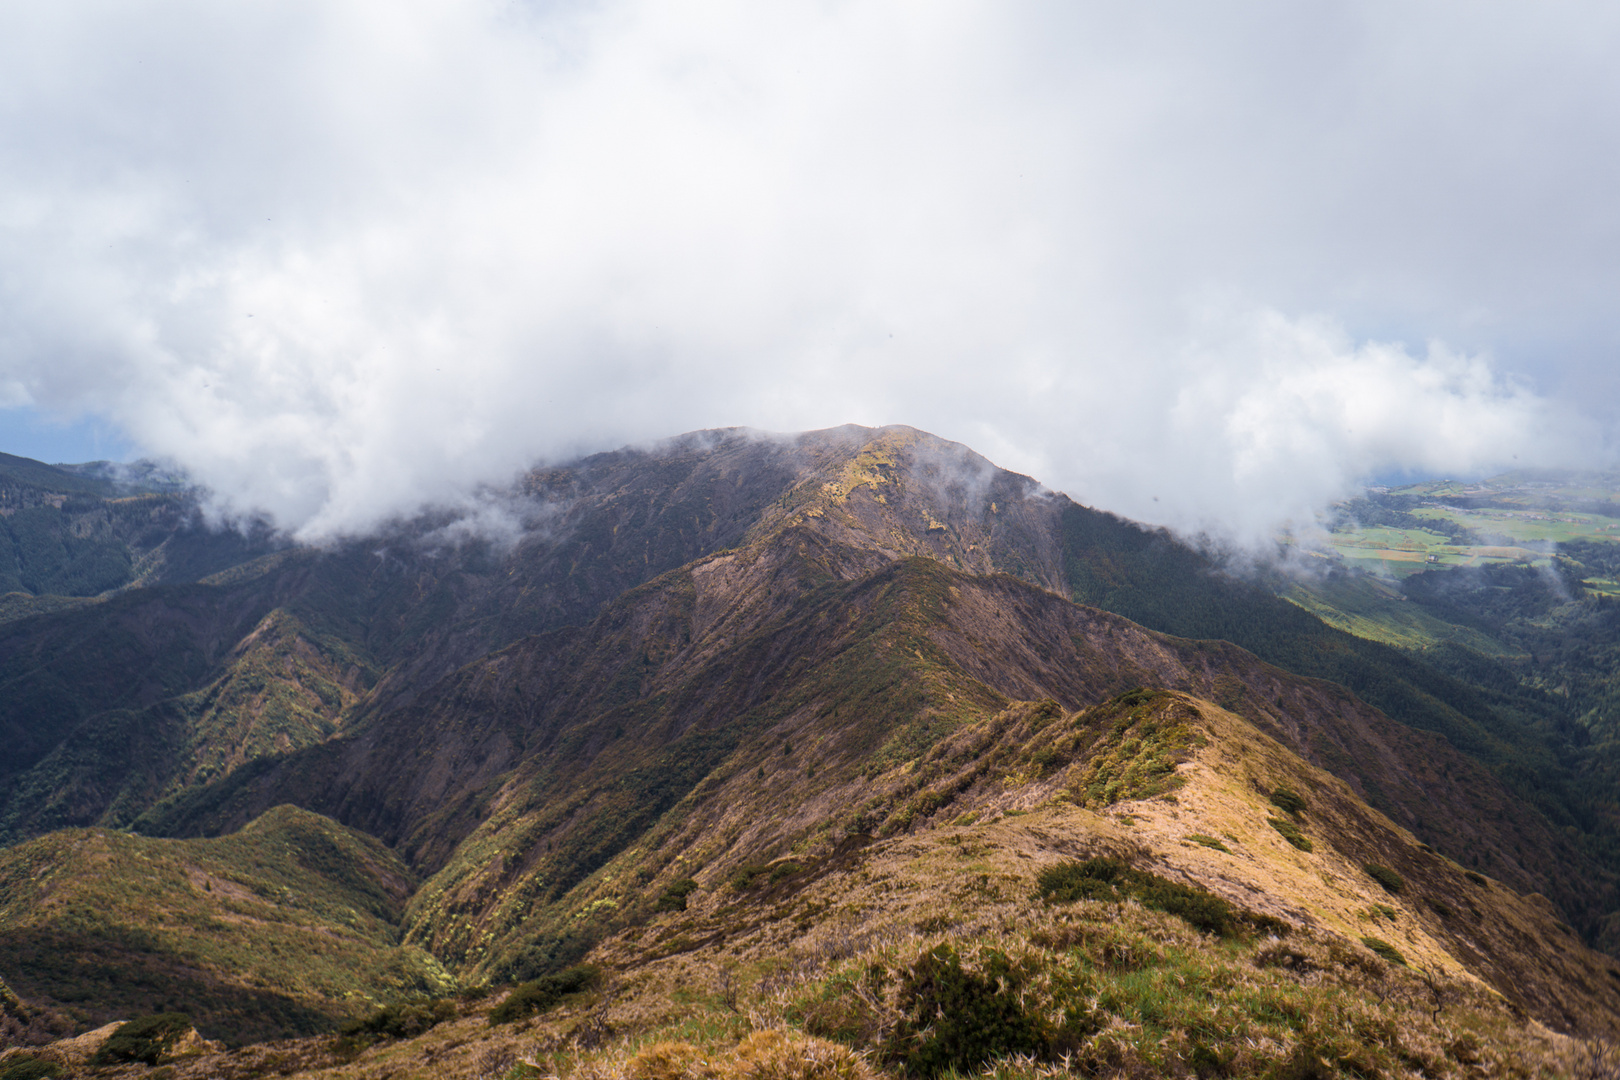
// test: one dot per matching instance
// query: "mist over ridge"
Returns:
(343, 262)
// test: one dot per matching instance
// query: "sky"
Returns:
(1206, 265)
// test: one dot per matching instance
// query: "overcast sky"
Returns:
(1205, 264)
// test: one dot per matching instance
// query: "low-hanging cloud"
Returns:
(344, 259)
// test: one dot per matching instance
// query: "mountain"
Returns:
(715, 694)
(98, 922)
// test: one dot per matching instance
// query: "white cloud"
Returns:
(345, 258)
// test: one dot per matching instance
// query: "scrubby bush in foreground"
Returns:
(541, 994)
(403, 1021)
(960, 1018)
(1114, 879)
(143, 1039)
(24, 1067)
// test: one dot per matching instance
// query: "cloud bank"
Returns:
(344, 259)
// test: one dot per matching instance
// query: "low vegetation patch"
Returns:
(1209, 842)
(1115, 879)
(1291, 833)
(144, 1039)
(754, 875)
(1389, 879)
(542, 994)
(25, 1067)
(674, 897)
(1150, 733)
(1385, 950)
(403, 1021)
(1288, 800)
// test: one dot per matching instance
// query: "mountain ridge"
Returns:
(729, 654)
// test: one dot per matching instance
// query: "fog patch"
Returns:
(346, 261)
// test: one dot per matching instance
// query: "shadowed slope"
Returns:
(281, 927)
(746, 704)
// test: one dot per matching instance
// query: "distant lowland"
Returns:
(843, 754)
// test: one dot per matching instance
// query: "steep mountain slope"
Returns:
(403, 611)
(83, 531)
(519, 779)
(1146, 777)
(735, 659)
(953, 938)
(107, 707)
(284, 926)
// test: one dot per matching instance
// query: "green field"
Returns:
(1527, 525)
(1516, 517)
(1388, 536)
(1368, 607)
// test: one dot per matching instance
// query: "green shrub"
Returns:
(1478, 879)
(541, 994)
(1114, 879)
(1384, 949)
(1092, 879)
(23, 1067)
(674, 897)
(1441, 908)
(1289, 800)
(403, 1021)
(955, 1018)
(1209, 842)
(1389, 879)
(143, 1039)
(1290, 832)
(745, 877)
(753, 875)
(1137, 756)
(549, 953)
